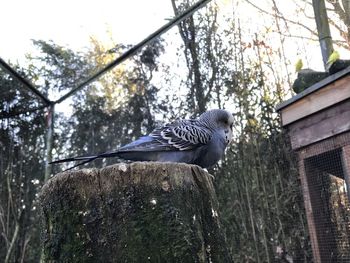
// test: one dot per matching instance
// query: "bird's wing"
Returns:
(180, 135)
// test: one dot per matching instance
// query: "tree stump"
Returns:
(139, 212)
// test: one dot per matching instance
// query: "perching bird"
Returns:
(332, 58)
(298, 65)
(199, 141)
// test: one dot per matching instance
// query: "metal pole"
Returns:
(24, 81)
(324, 34)
(137, 47)
(49, 140)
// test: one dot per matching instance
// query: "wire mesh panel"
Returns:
(327, 197)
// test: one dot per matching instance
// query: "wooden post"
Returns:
(49, 139)
(139, 212)
(324, 34)
(345, 159)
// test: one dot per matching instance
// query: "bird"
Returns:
(298, 65)
(200, 141)
(332, 58)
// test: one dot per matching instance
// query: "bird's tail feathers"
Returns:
(81, 163)
(85, 159)
(72, 159)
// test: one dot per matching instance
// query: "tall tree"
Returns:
(257, 182)
(121, 107)
(100, 121)
(21, 170)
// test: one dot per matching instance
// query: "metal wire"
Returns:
(108, 67)
(136, 48)
(24, 81)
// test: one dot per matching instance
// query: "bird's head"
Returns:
(221, 120)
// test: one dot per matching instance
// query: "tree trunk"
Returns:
(139, 212)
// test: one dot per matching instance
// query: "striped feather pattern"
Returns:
(182, 134)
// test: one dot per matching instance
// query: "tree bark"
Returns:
(139, 212)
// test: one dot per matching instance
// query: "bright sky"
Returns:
(71, 22)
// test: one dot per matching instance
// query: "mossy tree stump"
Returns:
(140, 212)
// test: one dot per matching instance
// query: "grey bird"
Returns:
(199, 141)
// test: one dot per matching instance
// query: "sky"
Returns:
(71, 22)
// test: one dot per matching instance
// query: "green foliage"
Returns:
(257, 184)
(57, 68)
(100, 124)
(262, 206)
(97, 125)
(21, 162)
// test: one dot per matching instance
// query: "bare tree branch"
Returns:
(13, 240)
(281, 17)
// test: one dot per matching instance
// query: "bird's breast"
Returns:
(211, 153)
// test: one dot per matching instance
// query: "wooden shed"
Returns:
(318, 123)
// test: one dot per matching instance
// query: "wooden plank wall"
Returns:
(320, 126)
(329, 95)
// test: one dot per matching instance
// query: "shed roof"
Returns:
(313, 88)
